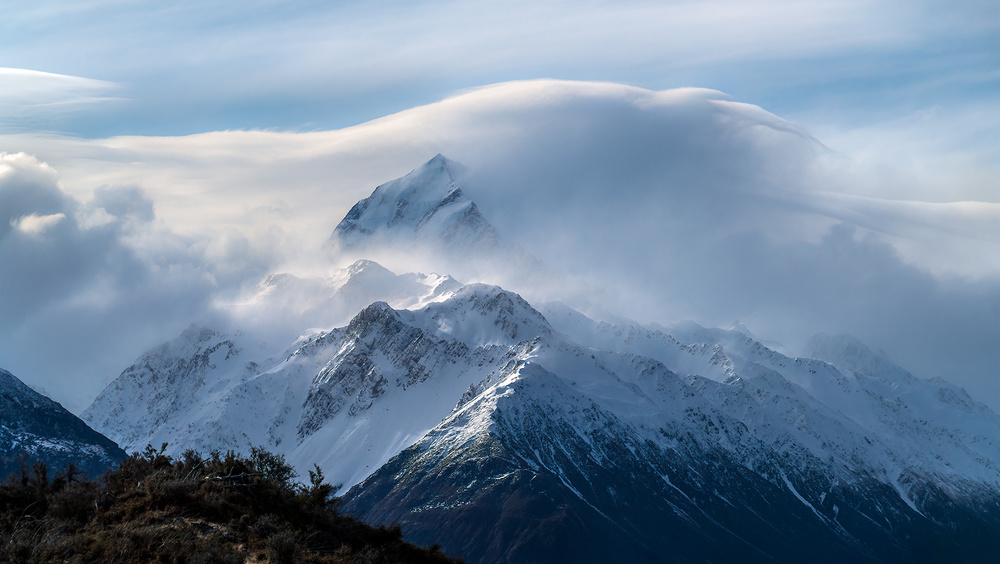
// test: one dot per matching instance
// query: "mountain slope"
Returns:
(477, 423)
(426, 219)
(37, 429)
(622, 460)
(913, 422)
(425, 206)
(341, 398)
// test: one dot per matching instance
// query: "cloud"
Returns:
(35, 224)
(189, 67)
(80, 297)
(33, 99)
(28, 187)
(667, 205)
(934, 154)
(124, 202)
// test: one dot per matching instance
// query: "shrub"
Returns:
(75, 502)
(195, 509)
(282, 547)
(273, 466)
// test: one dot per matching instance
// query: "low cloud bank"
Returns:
(86, 286)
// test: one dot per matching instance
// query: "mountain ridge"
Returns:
(509, 432)
(35, 429)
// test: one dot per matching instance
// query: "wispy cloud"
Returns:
(31, 100)
(34, 224)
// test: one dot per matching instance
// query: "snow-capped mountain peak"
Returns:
(481, 314)
(427, 205)
(366, 280)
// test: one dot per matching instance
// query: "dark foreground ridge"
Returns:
(33, 426)
(195, 509)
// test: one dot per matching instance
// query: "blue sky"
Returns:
(187, 67)
(175, 153)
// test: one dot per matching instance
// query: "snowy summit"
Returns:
(427, 206)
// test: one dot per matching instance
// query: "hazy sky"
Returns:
(863, 197)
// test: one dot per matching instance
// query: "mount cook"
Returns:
(513, 432)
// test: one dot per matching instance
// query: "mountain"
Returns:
(341, 398)
(584, 454)
(478, 423)
(426, 219)
(36, 429)
(427, 206)
(508, 432)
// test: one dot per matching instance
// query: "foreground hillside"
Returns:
(220, 509)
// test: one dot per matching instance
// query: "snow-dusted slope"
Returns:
(619, 458)
(348, 399)
(38, 429)
(425, 206)
(907, 423)
(701, 439)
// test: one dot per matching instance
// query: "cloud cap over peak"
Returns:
(671, 204)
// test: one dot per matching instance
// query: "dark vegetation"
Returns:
(193, 509)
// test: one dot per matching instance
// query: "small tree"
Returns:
(272, 466)
(320, 493)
